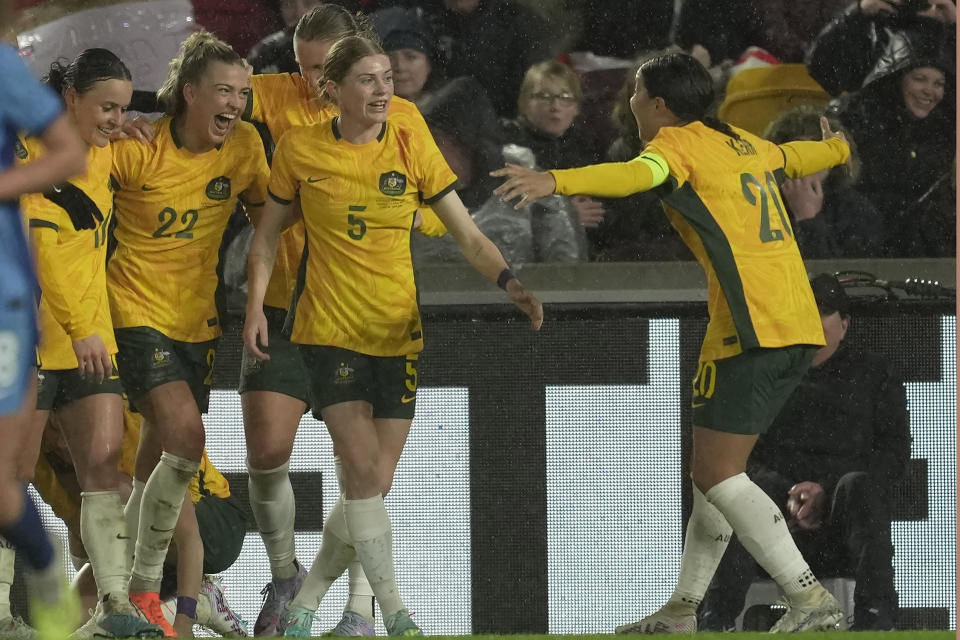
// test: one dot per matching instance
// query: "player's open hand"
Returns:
(524, 185)
(93, 359)
(526, 301)
(255, 333)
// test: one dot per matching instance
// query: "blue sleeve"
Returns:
(26, 104)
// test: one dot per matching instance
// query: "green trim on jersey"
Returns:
(686, 201)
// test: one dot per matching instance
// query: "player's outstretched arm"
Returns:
(263, 253)
(805, 157)
(484, 256)
(606, 180)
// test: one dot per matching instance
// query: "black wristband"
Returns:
(505, 276)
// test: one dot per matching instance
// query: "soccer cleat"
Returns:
(276, 595)
(352, 624)
(118, 618)
(14, 627)
(215, 614)
(296, 621)
(149, 606)
(819, 612)
(662, 621)
(401, 624)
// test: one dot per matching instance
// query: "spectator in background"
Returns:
(548, 106)
(494, 41)
(850, 46)
(727, 27)
(633, 228)
(830, 461)
(830, 218)
(458, 111)
(904, 125)
(274, 53)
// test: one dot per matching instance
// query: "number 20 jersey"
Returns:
(172, 207)
(723, 199)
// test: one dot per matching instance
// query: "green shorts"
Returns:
(149, 359)
(58, 388)
(284, 371)
(337, 375)
(744, 393)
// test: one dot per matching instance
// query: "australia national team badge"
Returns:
(21, 151)
(343, 374)
(219, 188)
(393, 183)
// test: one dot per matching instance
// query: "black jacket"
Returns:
(848, 226)
(850, 46)
(904, 159)
(495, 44)
(848, 414)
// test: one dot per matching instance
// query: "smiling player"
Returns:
(174, 200)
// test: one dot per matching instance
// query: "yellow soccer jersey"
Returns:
(172, 208)
(71, 264)
(358, 205)
(285, 100)
(729, 211)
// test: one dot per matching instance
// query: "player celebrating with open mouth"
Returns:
(174, 200)
(361, 177)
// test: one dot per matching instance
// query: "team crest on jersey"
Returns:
(19, 149)
(219, 188)
(343, 374)
(393, 183)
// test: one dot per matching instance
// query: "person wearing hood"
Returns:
(904, 126)
(848, 48)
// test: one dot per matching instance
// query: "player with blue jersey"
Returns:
(27, 107)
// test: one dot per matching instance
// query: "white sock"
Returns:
(762, 529)
(274, 509)
(7, 557)
(372, 536)
(162, 499)
(361, 598)
(708, 534)
(103, 531)
(131, 514)
(332, 559)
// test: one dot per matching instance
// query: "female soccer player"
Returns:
(357, 323)
(68, 226)
(27, 107)
(274, 392)
(174, 199)
(719, 189)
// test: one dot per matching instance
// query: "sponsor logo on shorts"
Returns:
(405, 399)
(343, 374)
(251, 364)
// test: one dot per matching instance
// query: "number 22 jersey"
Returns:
(172, 208)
